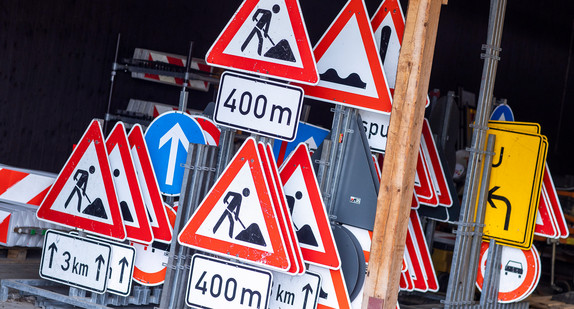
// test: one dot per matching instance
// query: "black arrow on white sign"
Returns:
(100, 261)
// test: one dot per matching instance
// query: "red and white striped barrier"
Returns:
(151, 55)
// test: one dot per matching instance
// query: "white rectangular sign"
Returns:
(215, 283)
(376, 127)
(258, 106)
(296, 292)
(75, 261)
(121, 270)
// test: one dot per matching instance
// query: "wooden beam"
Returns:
(403, 140)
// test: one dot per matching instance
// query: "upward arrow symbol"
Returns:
(176, 136)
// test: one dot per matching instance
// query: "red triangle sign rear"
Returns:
(237, 219)
(266, 37)
(127, 186)
(162, 231)
(350, 68)
(83, 195)
(308, 211)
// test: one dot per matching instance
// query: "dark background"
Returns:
(56, 58)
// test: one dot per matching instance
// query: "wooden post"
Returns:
(403, 140)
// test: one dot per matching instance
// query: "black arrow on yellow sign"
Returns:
(492, 197)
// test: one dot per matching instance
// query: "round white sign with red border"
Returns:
(519, 272)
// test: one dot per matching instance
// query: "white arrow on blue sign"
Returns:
(167, 139)
(502, 112)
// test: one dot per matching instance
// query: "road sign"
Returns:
(210, 131)
(121, 265)
(259, 106)
(350, 69)
(127, 186)
(157, 216)
(416, 230)
(215, 283)
(514, 189)
(296, 292)
(281, 209)
(75, 261)
(309, 134)
(83, 195)
(333, 294)
(502, 112)
(150, 263)
(308, 211)
(414, 261)
(430, 151)
(423, 187)
(388, 25)
(167, 138)
(376, 127)
(546, 224)
(266, 37)
(519, 272)
(555, 203)
(237, 218)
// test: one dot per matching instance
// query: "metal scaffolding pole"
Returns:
(459, 294)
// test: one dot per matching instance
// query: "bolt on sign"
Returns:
(515, 182)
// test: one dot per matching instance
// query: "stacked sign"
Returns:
(107, 188)
(266, 217)
(516, 180)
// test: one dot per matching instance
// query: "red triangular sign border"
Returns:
(380, 104)
(93, 135)
(277, 259)
(163, 232)
(118, 138)
(300, 158)
(307, 74)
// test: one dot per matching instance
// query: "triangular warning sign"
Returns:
(388, 28)
(333, 294)
(127, 186)
(157, 216)
(350, 69)
(266, 37)
(424, 187)
(546, 223)
(280, 203)
(423, 253)
(237, 218)
(554, 202)
(83, 195)
(438, 176)
(308, 211)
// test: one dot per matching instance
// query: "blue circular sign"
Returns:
(168, 138)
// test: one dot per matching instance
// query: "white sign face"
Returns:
(75, 261)
(122, 263)
(258, 106)
(297, 292)
(376, 127)
(216, 283)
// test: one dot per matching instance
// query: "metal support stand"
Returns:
(198, 178)
(460, 292)
(328, 175)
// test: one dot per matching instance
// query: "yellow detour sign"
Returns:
(515, 181)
